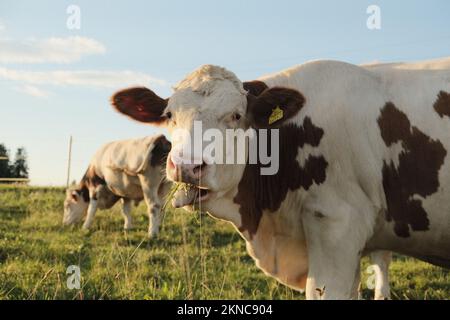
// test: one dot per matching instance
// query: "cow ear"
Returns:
(255, 87)
(74, 196)
(161, 148)
(273, 107)
(140, 104)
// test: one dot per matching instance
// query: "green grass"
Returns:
(195, 257)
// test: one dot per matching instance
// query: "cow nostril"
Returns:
(199, 168)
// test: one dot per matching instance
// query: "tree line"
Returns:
(18, 168)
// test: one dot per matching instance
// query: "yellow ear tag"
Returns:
(276, 115)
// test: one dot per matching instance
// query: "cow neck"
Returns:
(83, 188)
(257, 192)
(90, 179)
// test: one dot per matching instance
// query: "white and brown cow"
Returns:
(127, 170)
(364, 164)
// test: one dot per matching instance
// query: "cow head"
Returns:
(75, 206)
(212, 100)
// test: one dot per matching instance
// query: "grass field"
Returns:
(195, 257)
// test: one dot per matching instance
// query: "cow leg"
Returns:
(92, 208)
(150, 190)
(154, 215)
(356, 291)
(126, 213)
(335, 239)
(381, 261)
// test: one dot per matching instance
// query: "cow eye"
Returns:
(236, 116)
(168, 115)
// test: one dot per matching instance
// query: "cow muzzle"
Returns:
(190, 173)
(193, 191)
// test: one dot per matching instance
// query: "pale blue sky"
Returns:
(159, 43)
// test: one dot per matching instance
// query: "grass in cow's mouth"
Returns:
(173, 190)
(176, 186)
(171, 194)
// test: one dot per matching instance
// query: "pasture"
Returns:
(195, 257)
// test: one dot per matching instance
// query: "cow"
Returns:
(363, 164)
(127, 170)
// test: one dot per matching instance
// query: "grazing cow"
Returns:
(129, 170)
(363, 164)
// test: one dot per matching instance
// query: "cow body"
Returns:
(127, 170)
(352, 139)
(350, 111)
(363, 166)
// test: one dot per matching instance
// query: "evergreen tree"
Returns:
(5, 168)
(19, 168)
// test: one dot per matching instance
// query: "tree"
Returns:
(19, 168)
(5, 167)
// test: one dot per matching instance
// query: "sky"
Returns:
(56, 81)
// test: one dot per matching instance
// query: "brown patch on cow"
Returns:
(260, 108)
(89, 180)
(255, 87)
(442, 104)
(416, 175)
(140, 104)
(258, 192)
(160, 151)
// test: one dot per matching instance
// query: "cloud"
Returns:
(93, 78)
(61, 51)
(33, 91)
(50, 50)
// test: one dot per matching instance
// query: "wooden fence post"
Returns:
(69, 162)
